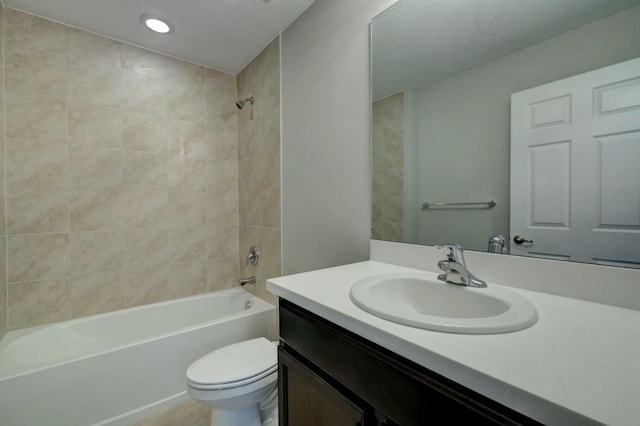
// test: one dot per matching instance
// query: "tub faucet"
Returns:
(249, 280)
(455, 269)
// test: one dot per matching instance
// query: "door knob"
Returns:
(519, 239)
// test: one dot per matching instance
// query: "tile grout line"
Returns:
(5, 241)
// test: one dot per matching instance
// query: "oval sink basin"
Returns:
(420, 300)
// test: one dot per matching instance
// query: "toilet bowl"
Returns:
(239, 382)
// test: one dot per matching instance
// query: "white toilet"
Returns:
(239, 382)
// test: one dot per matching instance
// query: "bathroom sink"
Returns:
(420, 300)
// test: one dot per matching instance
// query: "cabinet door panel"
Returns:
(308, 400)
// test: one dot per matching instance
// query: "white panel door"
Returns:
(575, 168)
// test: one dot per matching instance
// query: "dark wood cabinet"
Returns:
(331, 376)
(307, 399)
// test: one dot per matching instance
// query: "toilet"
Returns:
(239, 382)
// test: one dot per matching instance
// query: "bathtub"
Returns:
(120, 367)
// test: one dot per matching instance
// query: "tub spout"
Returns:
(245, 281)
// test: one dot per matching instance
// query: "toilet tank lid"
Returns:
(238, 361)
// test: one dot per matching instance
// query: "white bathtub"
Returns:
(120, 367)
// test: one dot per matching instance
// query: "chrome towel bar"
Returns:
(479, 205)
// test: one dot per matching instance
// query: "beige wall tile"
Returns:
(93, 48)
(36, 164)
(222, 208)
(187, 209)
(269, 242)
(96, 292)
(187, 174)
(185, 99)
(187, 245)
(110, 159)
(388, 159)
(3, 230)
(37, 210)
(143, 132)
(91, 167)
(16, 25)
(251, 207)
(222, 242)
(392, 208)
(145, 248)
(261, 288)
(3, 289)
(222, 144)
(249, 142)
(38, 302)
(184, 71)
(144, 93)
(392, 181)
(259, 169)
(36, 117)
(95, 251)
(144, 171)
(221, 274)
(2, 143)
(272, 209)
(43, 72)
(187, 279)
(223, 175)
(94, 125)
(143, 61)
(146, 209)
(95, 210)
(32, 32)
(146, 285)
(220, 93)
(187, 138)
(37, 256)
(248, 236)
(3, 275)
(94, 82)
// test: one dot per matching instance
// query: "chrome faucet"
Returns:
(249, 280)
(455, 270)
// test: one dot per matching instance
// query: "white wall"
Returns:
(326, 105)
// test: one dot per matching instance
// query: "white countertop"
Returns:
(579, 364)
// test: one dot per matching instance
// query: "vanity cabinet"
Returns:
(331, 376)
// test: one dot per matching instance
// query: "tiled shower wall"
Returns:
(120, 174)
(259, 167)
(388, 168)
(3, 284)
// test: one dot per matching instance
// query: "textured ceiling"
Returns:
(417, 42)
(221, 34)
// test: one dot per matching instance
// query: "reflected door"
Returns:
(575, 168)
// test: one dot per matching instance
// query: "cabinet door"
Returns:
(305, 399)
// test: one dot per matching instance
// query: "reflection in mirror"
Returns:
(443, 76)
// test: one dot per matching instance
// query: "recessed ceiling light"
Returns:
(156, 24)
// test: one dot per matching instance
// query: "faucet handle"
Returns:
(454, 252)
(252, 256)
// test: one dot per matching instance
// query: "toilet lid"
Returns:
(234, 365)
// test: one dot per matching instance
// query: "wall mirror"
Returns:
(443, 76)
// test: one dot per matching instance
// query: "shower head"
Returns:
(240, 104)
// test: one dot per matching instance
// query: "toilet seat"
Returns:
(235, 365)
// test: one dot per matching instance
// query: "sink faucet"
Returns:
(455, 270)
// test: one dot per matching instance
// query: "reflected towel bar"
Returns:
(479, 205)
